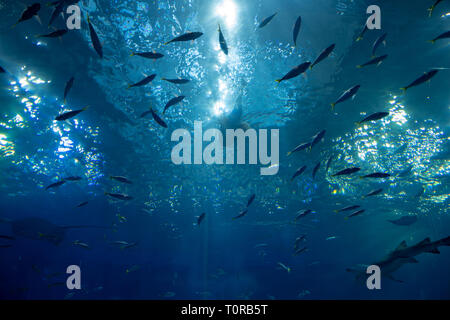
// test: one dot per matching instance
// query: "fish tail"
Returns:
(361, 177)
(357, 123)
(432, 41)
(129, 86)
(430, 11)
(311, 66)
(289, 153)
(359, 38)
(278, 80)
(166, 43)
(132, 54)
(336, 211)
(163, 79)
(359, 66)
(404, 89)
(332, 106)
(85, 108)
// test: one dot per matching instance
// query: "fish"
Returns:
(328, 163)
(29, 13)
(200, 218)
(317, 138)
(143, 82)
(158, 119)
(222, 42)
(402, 255)
(2, 70)
(176, 81)
(347, 94)
(283, 266)
(119, 196)
(348, 208)
(59, 6)
(186, 37)
(296, 71)
(72, 178)
(376, 60)
(81, 244)
(404, 220)
(331, 238)
(376, 175)
(67, 88)
(172, 102)
(444, 35)
(373, 117)
(401, 149)
(361, 34)
(373, 193)
(121, 179)
(240, 215)
(356, 213)
(381, 39)
(431, 9)
(54, 34)
(70, 114)
(296, 30)
(298, 240)
(302, 213)
(143, 114)
(300, 147)
(346, 171)
(266, 20)
(298, 172)
(82, 204)
(316, 168)
(423, 78)
(94, 38)
(55, 184)
(149, 55)
(250, 200)
(300, 250)
(128, 245)
(323, 55)
(6, 237)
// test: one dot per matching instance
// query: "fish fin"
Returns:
(38, 19)
(378, 64)
(434, 250)
(332, 106)
(402, 245)
(359, 66)
(432, 41)
(404, 89)
(311, 66)
(359, 38)
(278, 80)
(163, 79)
(425, 241)
(288, 154)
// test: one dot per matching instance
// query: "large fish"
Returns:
(222, 42)
(423, 78)
(324, 54)
(404, 220)
(347, 94)
(266, 21)
(296, 71)
(94, 38)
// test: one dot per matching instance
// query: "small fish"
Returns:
(356, 213)
(444, 35)
(361, 34)
(2, 70)
(250, 200)
(376, 60)
(381, 39)
(323, 55)
(431, 9)
(121, 179)
(56, 184)
(303, 213)
(404, 220)
(376, 175)
(149, 55)
(348, 208)
(296, 30)
(143, 82)
(373, 193)
(172, 102)
(54, 34)
(300, 147)
(296, 71)
(266, 20)
(316, 168)
(317, 138)
(128, 245)
(300, 250)
(222, 42)
(94, 38)
(186, 37)
(176, 81)
(121, 243)
(81, 244)
(298, 240)
(132, 269)
(73, 178)
(331, 238)
(158, 119)
(328, 163)
(240, 215)
(346, 171)
(82, 204)
(423, 78)
(29, 13)
(374, 116)
(288, 269)
(70, 114)
(6, 237)
(59, 6)
(349, 93)
(298, 172)
(67, 88)
(200, 218)
(119, 196)
(143, 114)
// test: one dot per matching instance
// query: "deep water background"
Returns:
(218, 259)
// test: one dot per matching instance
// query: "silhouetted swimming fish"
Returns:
(54, 34)
(82, 204)
(149, 55)
(250, 200)
(328, 163)
(303, 213)
(296, 30)
(356, 213)
(73, 178)
(346, 171)
(423, 78)
(67, 88)
(94, 38)
(222, 42)
(121, 179)
(2, 70)
(298, 172)
(172, 102)
(59, 6)
(143, 82)
(200, 218)
(186, 37)
(431, 9)
(176, 81)
(373, 193)
(69, 114)
(377, 175)
(119, 196)
(55, 184)
(347, 94)
(298, 70)
(361, 34)
(300, 147)
(324, 54)
(317, 138)
(348, 208)
(381, 39)
(266, 20)
(316, 168)
(444, 35)
(7, 237)
(240, 215)
(158, 119)
(29, 13)
(376, 60)
(374, 116)
(404, 220)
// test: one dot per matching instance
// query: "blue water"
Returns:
(220, 259)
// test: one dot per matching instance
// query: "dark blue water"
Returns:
(223, 258)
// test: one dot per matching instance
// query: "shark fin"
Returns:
(402, 245)
(425, 241)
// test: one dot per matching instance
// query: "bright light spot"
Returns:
(219, 108)
(228, 11)
(223, 86)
